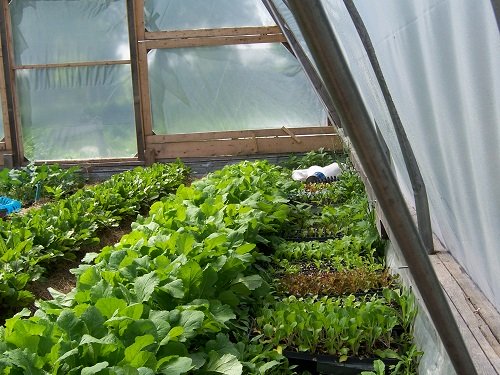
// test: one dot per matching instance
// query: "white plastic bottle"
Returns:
(316, 173)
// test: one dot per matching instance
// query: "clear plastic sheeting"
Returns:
(203, 14)
(446, 86)
(203, 89)
(62, 31)
(77, 113)
(440, 61)
(364, 76)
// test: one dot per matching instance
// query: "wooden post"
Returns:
(143, 75)
(134, 66)
(9, 98)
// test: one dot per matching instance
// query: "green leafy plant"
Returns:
(33, 182)
(357, 280)
(59, 228)
(343, 327)
(179, 294)
(319, 157)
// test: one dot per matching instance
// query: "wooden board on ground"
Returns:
(484, 356)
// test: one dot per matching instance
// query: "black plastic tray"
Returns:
(324, 364)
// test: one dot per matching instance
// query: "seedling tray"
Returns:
(325, 364)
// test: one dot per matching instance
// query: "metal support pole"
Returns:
(496, 10)
(334, 69)
(417, 182)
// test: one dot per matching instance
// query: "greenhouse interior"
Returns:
(249, 187)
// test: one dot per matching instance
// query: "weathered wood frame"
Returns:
(152, 146)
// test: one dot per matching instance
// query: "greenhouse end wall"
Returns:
(93, 80)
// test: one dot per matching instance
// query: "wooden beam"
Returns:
(4, 107)
(246, 146)
(14, 117)
(142, 61)
(236, 134)
(291, 134)
(71, 64)
(213, 41)
(136, 89)
(204, 33)
(3, 147)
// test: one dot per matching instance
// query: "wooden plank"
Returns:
(3, 146)
(4, 107)
(142, 61)
(100, 162)
(213, 41)
(139, 19)
(71, 64)
(223, 31)
(136, 89)
(291, 134)
(484, 357)
(246, 146)
(481, 304)
(16, 141)
(235, 134)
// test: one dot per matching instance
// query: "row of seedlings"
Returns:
(174, 296)
(337, 310)
(33, 240)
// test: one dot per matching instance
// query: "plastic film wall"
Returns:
(440, 59)
(81, 112)
(234, 87)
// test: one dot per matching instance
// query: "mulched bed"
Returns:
(60, 278)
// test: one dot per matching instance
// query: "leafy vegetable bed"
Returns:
(183, 292)
(30, 242)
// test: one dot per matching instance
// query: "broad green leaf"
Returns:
(108, 339)
(25, 360)
(190, 321)
(228, 297)
(206, 287)
(174, 365)
(222, 345)
(159, 319)
(174, 288)
(94, 369)
(89, 277)
(252, 282)
(110, 305)
(221, 313)
(94, 321)
(246, 248)
(172, 334)
(191, 275)
(145, 285)
(228, 364)
(134, 355)
(214, 240)
(267, 366)
(133, 311)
